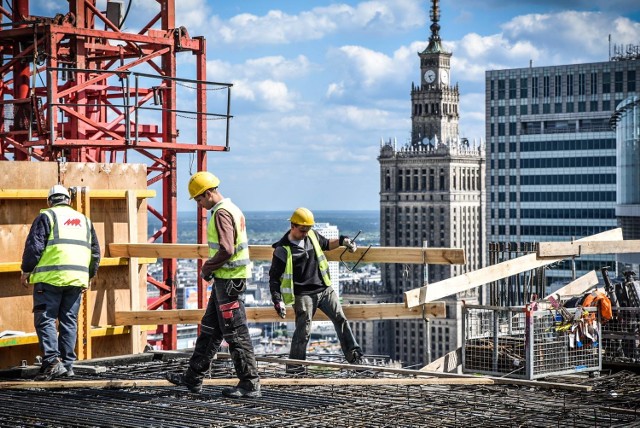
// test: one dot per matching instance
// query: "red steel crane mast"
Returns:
(71, 91)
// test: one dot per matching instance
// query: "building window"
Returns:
(534, 109)
(606, 82)
(545, 86)
(582, 106)
(501, 110)
(501, 89)
(569, 84)
(523, 88)
(631, 80)
(524, 109)
(594, 82)
(581, 84)
(558, 86)
(618, 81)
(606, 105)
(512, 88)
(593, 106)
(534, 87)
(569, 107)
(501, 129)
(557, 108)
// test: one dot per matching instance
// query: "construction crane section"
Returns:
(76, 87)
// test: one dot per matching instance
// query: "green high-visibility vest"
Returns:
(238, 265)
(286, 280)
(66, 258)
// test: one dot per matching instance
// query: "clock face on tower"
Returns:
(444, 77)
(429, 76)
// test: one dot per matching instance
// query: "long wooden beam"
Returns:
(488, 274)
(113, 383)
(110, 330)
(380, 311)
(413, 255)
(578, 248)
(105, 261)
(93, 193)
(579, 286)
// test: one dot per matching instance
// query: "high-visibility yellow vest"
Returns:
(286, 280)
(66, 258)
(238, 265)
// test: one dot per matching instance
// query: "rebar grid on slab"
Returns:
(613, 402)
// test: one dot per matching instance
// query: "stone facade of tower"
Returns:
(432, 193)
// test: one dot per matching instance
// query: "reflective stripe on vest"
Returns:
(238, 265)
(286, 280)
(67, 255)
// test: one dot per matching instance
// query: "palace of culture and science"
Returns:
(431, 194)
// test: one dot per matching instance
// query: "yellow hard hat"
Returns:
(202, 181)
(303, 217)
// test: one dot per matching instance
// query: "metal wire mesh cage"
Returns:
(621, 337)
(523, 343)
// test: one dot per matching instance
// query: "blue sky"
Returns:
(318, 84)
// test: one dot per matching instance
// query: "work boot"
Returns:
(70, 372)
(51, 371)
(296, 369)
(355, 357)
(239, 392)
(181, 379)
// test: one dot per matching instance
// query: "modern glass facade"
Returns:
(551, 154)
(626, 122)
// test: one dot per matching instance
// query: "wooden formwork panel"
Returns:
(110, 291)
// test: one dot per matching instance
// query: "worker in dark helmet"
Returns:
(61, 255)
(228, 267)
(299, 275)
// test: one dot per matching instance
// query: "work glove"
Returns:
(280, 308)
(347, 242)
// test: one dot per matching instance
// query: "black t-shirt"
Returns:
(306, 272)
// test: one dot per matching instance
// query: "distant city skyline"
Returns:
(317, 85)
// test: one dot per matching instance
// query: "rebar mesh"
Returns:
(613, 402)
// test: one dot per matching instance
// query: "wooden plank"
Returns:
(106, 261)
(134, 283)
(488, 274)
(577, 248)
(411, 372)
(112, 330)
(267, 314)
(448, 363)
(265, 252)
(265, 382)
(577, 287)
(93, 193)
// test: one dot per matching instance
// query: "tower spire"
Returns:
(435, 43)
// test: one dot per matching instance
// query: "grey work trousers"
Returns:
(305, 307)
(51, 304)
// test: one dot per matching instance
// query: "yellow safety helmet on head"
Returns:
(200, 182)
(303, 217)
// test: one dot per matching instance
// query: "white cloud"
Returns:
(278, 27)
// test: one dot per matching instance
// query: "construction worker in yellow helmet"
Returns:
(228, 268)
(299, 275)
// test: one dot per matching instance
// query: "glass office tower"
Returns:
(551, 155)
